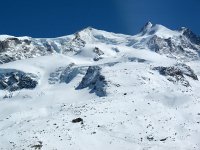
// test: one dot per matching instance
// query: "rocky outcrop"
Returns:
(177, 73)
(75, 44)
(178, 47)
(186, 70)
(14, 48)
(190, 35)
(98, 54)
(69, 74)
(65, 74)
(94, 80)
(13, 80)
(97, 51)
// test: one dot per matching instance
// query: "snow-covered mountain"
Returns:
(100, 90)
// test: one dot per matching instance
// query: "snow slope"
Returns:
(124, 94)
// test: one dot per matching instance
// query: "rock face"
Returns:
(187, 71)
(13, 80)
(68, 74)
(13, 48)
(94, 80)
(17, 48)
(76, 43)
(176, 73)
(146, 27)
(190, 35)
(98, 53)
(65, 74)
(173, 47)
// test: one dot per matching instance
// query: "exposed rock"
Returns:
(48, 46)
(97, 58)
(68, 74)
(98, 51)
(172, 48)
(3, 46)
(15, 40)
(156, 43)
(6, 58)
(177, 72)
(164, 139)
(38, 146)
(78, 40)
(134, 59)
(77, 120)
(13, 80)
(94, 80)
(27, 41)
(187, 71)
(150, 138)
(65, 74)
(75, 44)
(190, 35)
(146, 27)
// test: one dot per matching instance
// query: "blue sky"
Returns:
(52, 18)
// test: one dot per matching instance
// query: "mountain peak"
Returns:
(184, 29)
(146, 27)
(148, 24)
(159, 30)
(190, 35)
(87, 29)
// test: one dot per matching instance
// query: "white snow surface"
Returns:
(141, 111)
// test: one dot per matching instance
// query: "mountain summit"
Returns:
(146, 27)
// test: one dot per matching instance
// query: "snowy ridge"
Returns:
(100, 90)
(182, 44)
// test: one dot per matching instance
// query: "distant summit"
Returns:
(146, 27)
